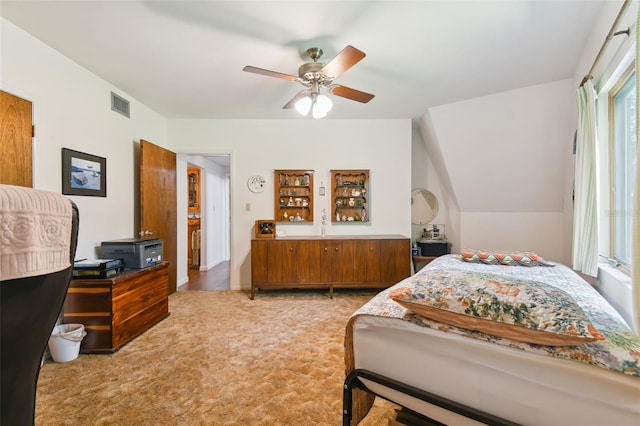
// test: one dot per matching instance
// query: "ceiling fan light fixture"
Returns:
(304, 105)
(323, 104)
(314, 103)
(316, 76)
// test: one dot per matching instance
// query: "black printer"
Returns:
(137, 253)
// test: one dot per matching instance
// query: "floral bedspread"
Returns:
(619, 351)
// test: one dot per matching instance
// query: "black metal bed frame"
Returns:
(353, 381)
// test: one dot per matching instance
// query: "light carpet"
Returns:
(218, 359)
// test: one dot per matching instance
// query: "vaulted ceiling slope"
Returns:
(184, 59)
(507, 152)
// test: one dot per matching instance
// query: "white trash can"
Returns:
(64, 343)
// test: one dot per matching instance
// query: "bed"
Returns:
(455, 375)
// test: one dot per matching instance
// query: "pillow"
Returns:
(526, 311)
(492, 257)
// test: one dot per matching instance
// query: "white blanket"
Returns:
(35, 232)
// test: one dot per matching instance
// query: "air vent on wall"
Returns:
(120, 105)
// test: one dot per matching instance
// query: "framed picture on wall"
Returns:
(83, 174)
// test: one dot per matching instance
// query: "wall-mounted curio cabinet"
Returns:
(293, 196)
(350, 195)
(193, 192)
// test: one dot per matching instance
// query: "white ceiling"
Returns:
(184, 59)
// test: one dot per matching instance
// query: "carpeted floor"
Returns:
(218, 359)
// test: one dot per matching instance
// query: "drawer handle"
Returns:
(337, 249)
(290, 248)
(326, 249)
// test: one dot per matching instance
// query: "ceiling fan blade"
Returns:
(296, 98)
(268, 73)
(349, 93)
(348, 57)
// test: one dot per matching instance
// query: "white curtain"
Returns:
(585, 213)
(635, 225)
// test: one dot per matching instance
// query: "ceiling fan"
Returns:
(316, 76)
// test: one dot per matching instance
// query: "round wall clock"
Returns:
(256, 183)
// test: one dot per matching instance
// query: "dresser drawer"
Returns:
(118, 309)
(139, 296)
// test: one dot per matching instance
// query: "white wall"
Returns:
(72, 109)
(261, 146)
(429, 171)
(522, 231)
(504, 158)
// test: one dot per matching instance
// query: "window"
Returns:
(624, 145)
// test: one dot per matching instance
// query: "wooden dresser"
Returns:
(116, 310)
(374, 261)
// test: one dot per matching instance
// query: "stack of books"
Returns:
(97, 268)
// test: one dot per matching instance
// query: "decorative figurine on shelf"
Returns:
(435, 232)
(285, 215)
(296, 182)
(426, 234)
(290, 203)
(363, 214)
(355, 192)
(345, 192)
(286, 180)
(323, 227)
(352, 202)
(337, 216)
(298, 218)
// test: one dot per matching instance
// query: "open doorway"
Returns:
(208, 222)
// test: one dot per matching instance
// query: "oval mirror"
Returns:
(424, 206)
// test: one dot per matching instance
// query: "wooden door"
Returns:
(282, 262)
(259, 261)
(395, 260)
(309, 261)
(326, 265)
(16, 132)
(345, 268)
(371, 260)
(158, 210)
(336, 256)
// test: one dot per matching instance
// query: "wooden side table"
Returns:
(116, 310)
(420, 262)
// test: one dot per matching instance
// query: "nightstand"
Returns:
(429, 250)
(434, 247)
(420, 262)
